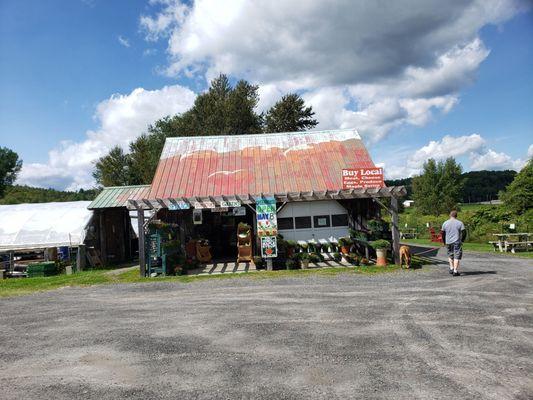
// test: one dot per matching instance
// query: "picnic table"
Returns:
(512, 241)
(409, 233)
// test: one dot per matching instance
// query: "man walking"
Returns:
(453, 235)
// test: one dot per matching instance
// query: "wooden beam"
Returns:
(142, 256)
(395, 230)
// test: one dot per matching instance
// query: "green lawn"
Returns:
(23, 286)
(471, 246)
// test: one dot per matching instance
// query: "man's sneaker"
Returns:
(456, 273)
(450, 271)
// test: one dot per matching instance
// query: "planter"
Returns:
(305, 263)
(381, 255)
(345, 249)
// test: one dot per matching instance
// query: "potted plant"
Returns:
(337, 257)
(290, 246)
(292, 263)
(259, 262)
(305, 260)
(303, 246)
(381, 246)
(345, 244)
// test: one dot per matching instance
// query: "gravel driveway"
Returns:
(406, 335)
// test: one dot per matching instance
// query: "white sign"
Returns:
(178, 205)
(238, 211)
(202, 205)
(230, 203)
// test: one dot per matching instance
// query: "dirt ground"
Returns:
(405, 335)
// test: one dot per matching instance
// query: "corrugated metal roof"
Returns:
(255, 164)
(118, 196)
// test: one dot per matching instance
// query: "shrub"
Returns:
(380, 244)
(345, 242)
(259, 262)
(291, 244)
(292, 263)
(316, 257)
(337, 257)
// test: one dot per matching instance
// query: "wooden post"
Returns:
(142, 257)
(103, 243)
(395, 230)
(80, 258)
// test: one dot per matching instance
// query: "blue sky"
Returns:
(79, 76)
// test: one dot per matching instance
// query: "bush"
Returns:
(259, 262)
(316, 257)
(345, 242)
(337, 257)
(292, 263)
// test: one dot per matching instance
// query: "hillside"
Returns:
(17, 194)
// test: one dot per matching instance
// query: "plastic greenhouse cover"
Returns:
(40, 225)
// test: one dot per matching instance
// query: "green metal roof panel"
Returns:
(118, 196)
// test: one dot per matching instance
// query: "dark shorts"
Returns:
(455, 250)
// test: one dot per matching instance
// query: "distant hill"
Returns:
(479, 185)
(18, 194)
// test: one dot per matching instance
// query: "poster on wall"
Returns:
(357, 178)
(269, 248)
(267, 224)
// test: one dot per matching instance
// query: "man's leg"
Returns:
(458, 254)
(449, 248)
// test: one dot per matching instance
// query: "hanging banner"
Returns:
(269, 247)
(267, 223)
(357, 178)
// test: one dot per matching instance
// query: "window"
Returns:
(285, 223)
(339, 220)
(321, 221)
(302, 222)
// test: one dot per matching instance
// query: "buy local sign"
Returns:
(357, 178)
(267, 223)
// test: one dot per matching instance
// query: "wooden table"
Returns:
(510, 241)
(409, 233)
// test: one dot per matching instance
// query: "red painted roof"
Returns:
(255, 164)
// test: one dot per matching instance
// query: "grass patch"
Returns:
(471, 246)
(24, 286)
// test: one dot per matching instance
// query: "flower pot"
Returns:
(381, 257)
(345, 249)
(305, 263)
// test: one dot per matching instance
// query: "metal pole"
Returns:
(395, 230)
(142, 258)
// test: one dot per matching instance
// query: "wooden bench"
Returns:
(513, 246)
(497, 245)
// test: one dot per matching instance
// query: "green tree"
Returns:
(290, 115)
(437, 190)
(114, 169)
(10, 166)
(518, 196)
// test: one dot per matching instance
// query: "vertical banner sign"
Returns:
(267, 226)
(269, 247)
(357, 178)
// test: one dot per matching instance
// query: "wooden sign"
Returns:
(357, 178)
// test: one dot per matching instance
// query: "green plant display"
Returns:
(380, 244)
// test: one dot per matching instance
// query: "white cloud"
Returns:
(121, 118)
(124, 41)
(492, 160)
(530, 151)
(358, 63)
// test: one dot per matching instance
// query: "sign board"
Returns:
(269, 247)
(197, 217)
(356, 178)
(178, 205)
(230, 203)
(202, 205)
(267, 223)
(238, 211)
(220, 209)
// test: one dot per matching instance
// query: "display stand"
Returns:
(244, 243)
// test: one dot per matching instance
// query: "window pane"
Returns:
(339, 220)
(321, 221)
(285, 223)
(302, 222)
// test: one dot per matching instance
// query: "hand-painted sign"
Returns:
(267, 223)
(269, 248)
(178, 205)
(230, 203)
(357, 178)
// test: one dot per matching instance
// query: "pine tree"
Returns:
(290, 115)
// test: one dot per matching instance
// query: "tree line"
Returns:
(222, 110)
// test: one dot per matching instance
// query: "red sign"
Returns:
(357, 178)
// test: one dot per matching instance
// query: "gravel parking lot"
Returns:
(405, 335)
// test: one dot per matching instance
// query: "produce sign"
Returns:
(357, 178)
(269, 247)
(267, 223)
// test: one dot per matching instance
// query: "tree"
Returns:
(290, 115)
(10, 166)
(114, 169)
(518, 196)
(437, 190)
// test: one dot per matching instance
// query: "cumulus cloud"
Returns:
(121, 118)
(358, 63)
(474, 146)
(530, 151)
